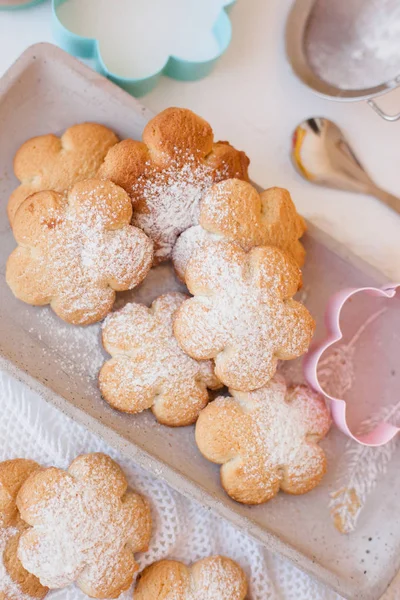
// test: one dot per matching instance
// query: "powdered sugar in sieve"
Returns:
(354, 44)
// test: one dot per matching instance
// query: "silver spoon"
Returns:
(322, 155)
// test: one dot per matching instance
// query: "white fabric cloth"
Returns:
(31, 428)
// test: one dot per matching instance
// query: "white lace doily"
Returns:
(183, 530)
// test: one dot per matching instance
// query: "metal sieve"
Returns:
(340, 29)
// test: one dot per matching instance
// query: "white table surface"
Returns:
(253, 100)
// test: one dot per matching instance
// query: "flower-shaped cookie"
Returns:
(233, 210)
(15, 581)
(75, 252)
(85, 527)
(48, 162)
(167, 174)
(212, 578)
(149, 369)
(266, 440)
(243, 314)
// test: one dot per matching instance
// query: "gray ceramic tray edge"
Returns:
(170, 475)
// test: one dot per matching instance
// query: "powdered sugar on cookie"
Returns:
(167, 174)
(212, 578)
(270, 440)
(75, 533)
(9, 589)
(75, 252)
(283, 422)
(149, 369)
(187, 243)
(172, 199)
(15, 582)
(47, 162)
(234, 211)
(217, 578)
(85, 528)
(243, 314)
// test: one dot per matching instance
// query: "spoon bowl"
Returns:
(322, 155)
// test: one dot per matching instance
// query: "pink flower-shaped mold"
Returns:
(384, 431)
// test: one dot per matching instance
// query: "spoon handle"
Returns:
(392, 201)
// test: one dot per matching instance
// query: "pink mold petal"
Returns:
(384, 431)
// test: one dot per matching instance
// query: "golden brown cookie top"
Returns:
(74, 252)
(15, 582)
(175, 132)
(13, 473)
(84, 526)
(212, 578)
(266, 440)
(149, 369)
(233, 210)
(243, 314)
(167, 174)
(48, 162)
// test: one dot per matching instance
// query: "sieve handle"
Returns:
(381, 113)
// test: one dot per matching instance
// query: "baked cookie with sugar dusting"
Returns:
(148, 368)
(243, 314)
(212, 578)
(233, 210)
(167, 174)
(266, 440)
(15, 582)
(75, 252)
(84, 527)
(49, 162)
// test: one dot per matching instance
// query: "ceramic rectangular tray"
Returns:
(46, 91)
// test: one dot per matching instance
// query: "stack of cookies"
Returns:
(84, 526)
(92, 215)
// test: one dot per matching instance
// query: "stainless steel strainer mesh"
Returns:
(346, 49)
